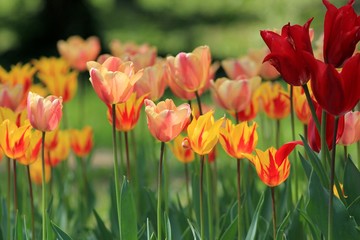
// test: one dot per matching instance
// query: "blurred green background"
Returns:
(31, 28)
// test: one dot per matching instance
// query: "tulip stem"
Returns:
(15, 188)
(31, 202)
(128, 173)
(277, 135)
(202, 160)
(292, 116)
(239, 199)
(8, 195)
(332, 173)
(159, 215)
(199, 102)
(209, 199)
(187, 181)
(273, 210)
(116, 165)
(323, 138)
(43, 186)
(312, 107)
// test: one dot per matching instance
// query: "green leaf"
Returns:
(231, 231)
(128, 212)
(354, 209)
(344, 225)
(167, 227)
(351, 181)
(306, 166)
(102, 231)
(60, 234)
(195, 232)
(313, 229)
(254, 222)
(18, 228)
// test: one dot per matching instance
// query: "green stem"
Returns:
(120, 144)
(116, 165)
(273, 211)
(277, 135)
(323, 138)
(199, 102)
(332, 173)
(311, 106)
(16, 208)
(187, 181)
(159, 216)
(84, 175)
(8, 196)
(31, 202)
(209, 199)
(216, 200)
(202, 160)
(239, 199)
(128, 173)
(43, 187)
(82, 104)
(292, 115)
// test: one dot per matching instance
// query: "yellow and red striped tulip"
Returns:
(351, 132)
(36, 172)
(273, 166)
(238, 139)
(82, 141)
(113, 80)
(166, 121)
(301, 106)
(44, 113)
(33, 151)
(20, 119)
(18, 74)
(60, 152)
(184, 155)
(78, 51)
(51, 139)
(275, 100)
(203, 133)
(127, 113)
(14, 140)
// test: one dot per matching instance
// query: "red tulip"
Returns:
(341, 33)
(287, 52)
(336, 92)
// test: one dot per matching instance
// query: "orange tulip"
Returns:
(127, 113)
(238, 139)
(14, 140)
(33, 151)
(82, 141)
(301, 106)
(44, 113)
(191, 70)
(276, 102)
(166, 121)
(184, 155)
(36, 172)
(273, 166)
(77, 51)
(142, 55)
(12, 97)
(113, 80)
(152, 82)
(60, 152)
(203, 133)
(232, 95)
(351, 132)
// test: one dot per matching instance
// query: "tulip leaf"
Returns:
(231, 231)
(128, 212)
(306, 166)
(354, 209)
(60, 234)
(195, 232)
(344, 225)
(18, 235)
(313, 229)
(351, 181)
(251, 234)
(102, 232)
(167, 227)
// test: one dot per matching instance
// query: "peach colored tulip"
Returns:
(232, 95)
(77, 51)
(203, 133)
(166, 121)
(142, 55)
(240, 68)
(191, 70)
(12, 97)
(301, 107)
(238, 139)
(113, 80)
(266, 70)
(152, 82)
(14, 140)
(36, 172)
(127, 113)
(82, 141)
(184, 155)
(351, 132)
(44, 113)
(275, 100)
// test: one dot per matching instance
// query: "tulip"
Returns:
(36, 172)
(343, 87)
(33, 151)
(14, 140)
(82, 141)
(166, 121)
(250, 112)
(287, 52)
(44, 113)
(60, 152)
(313, 135)
(113, 80)
(191, 70)
(232, 95)
(266, 70)
(301, 106)
(77, 51)
(238, 139)
(127, 113)
(341, 33)
(184, 155)
(351, 132)
(20, 119)
(203, 133)
(19, 74)
(12, 97)
(275, 101)
(241, 68)
(52, 139)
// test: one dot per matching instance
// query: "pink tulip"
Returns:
(165, 120)
(351, 132)
(44, 113)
